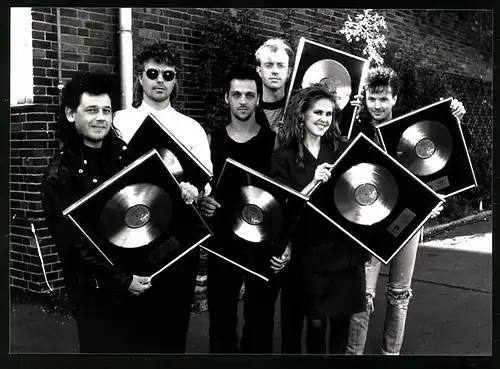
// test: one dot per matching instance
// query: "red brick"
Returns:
(42, 99)
(41, 26)
(82, 14)
(42, 81)
(153, 26)
(74, 22)
(41, 62)
(65, 30)
(50, 18)
(94, 25)
(103, 18)
(49, 36)
(71, 39)
(67, 12)
(83, 32)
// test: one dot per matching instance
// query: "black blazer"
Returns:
(317, 245)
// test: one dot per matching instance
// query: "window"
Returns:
(21, 56)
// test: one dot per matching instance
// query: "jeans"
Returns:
(398, 297)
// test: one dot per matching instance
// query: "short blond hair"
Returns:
(273, 45)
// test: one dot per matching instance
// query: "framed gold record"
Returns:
(179, 160)
(255, 220)
(137, 219)
(429, 142)
(373, 199)
(339, 71)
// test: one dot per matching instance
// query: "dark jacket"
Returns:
(317, 244)
(70, 175)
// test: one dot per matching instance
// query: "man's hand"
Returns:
(208, 205)
(322, 172)
(457, 109)
(358, 102)
(139, 285)
(439, 209)
(277, 264)
(189, 192)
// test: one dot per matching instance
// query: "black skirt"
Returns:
(333, 293)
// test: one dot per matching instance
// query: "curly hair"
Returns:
(292, 131)
(162, 53)
(93, 83)
(379, 78)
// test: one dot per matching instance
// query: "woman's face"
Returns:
(318, 118)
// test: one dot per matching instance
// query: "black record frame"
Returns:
(154, 135)
(244, 253)
(414, 206)
(309, 52)
(458, 173)
(158, 255)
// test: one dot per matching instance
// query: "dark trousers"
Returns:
(156, 321)
(292, 313)
(224, 282)
(316, 335)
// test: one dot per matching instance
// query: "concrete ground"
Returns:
(450, 313)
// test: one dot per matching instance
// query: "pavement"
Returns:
(450, 312)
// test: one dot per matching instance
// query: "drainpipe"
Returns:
(126, 56)
(60, 84)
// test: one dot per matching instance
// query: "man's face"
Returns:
(242, 98)
(380, 103)
(92, 118)
(274, 69)
(156, 88)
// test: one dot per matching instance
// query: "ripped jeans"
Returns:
(398, 297)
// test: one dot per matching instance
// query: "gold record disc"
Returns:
(365, 194)
(172, 163)
(424, 147)
(258, 215)
(136, 215)
(333, 75)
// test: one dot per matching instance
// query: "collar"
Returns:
(146, 108)
(273, 105)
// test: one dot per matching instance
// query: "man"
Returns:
(274, 65)
(171, 297)
(91, 154)
(158, 67)
(381, 89)
(251, 144)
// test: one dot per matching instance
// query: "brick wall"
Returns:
(90, 42)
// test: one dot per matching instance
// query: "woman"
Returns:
(326, 276)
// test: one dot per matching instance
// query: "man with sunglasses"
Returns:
(157, 67)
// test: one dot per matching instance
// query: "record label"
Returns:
(439, 184)
(401, 222)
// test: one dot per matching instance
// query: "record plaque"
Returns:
(137, 220)
(373, 199)
(179, 160)
(255, 220)
(339, 71)
(429, 142)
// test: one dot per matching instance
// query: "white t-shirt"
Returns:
(187, 130)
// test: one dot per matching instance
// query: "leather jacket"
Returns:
(69, 176)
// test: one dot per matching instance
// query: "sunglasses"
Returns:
(153, 74)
